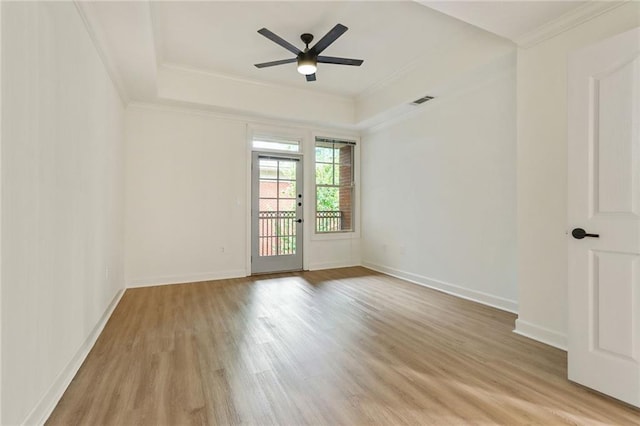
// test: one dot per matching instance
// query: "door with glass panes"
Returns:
(276, 213)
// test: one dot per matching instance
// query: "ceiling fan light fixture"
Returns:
(307, 66)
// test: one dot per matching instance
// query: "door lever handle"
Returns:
(579, 233)
(299, 220)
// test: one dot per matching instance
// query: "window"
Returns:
(334, 185)
(275, 144)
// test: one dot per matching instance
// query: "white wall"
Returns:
(438, 191)
(185, 197)
(62, 203)
(187, 201)
(0, 212)
(542, 172)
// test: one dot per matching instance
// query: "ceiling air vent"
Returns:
(422, 100)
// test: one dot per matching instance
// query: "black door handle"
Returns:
(299, 220)
(579, 233)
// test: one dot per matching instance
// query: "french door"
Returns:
(276, 219)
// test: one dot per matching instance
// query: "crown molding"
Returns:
(386, 81)
(87, 16)
(567, 21)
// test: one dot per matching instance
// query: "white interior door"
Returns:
(276, 213)
(604, 200)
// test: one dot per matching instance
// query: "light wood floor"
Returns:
(344, 346)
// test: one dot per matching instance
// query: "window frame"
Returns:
(354, 232)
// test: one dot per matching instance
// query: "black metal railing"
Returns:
(329, 221)
(277, 233)
(277, 230)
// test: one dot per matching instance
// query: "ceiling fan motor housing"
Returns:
(306, 38)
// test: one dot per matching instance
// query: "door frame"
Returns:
(255, 178)
(303, 136)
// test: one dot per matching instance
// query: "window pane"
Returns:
(268, 205)
(336, 213)
(268, 168)
(268, 188)
(287, 169)
(287, 189)
(324, 174)
(287, 245)
(276, 144)
(324, 154)
(327, 199)
(287, 205)
(330, 221)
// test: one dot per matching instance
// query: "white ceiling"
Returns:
(162, 50)
(509, 19)
(221, 37)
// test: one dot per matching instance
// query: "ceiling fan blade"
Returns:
(340, 61)
(279, 40)
(329, 38)
(311, 77)
(273, 63)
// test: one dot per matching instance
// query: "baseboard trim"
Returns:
(46, 405)
(331, 265)
(454, 290)
(182, 279)
(541, 334)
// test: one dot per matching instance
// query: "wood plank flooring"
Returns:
(343, 346)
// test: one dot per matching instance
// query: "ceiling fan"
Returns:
(309, 58)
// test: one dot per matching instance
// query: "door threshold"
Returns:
(253, 274)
